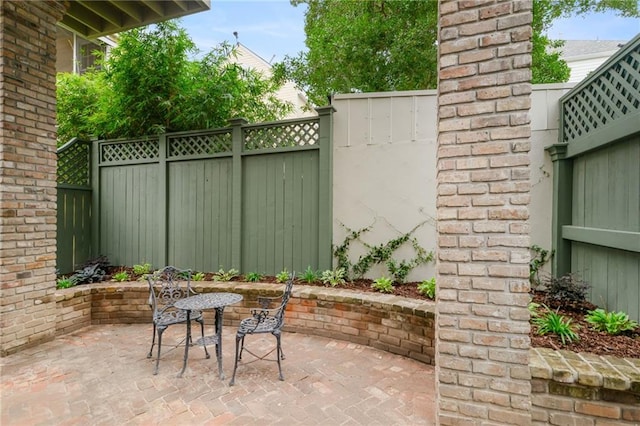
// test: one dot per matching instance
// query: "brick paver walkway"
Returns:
(100, 376)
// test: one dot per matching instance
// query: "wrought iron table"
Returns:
(204, 301)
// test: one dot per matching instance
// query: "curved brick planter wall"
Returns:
(394, 324)
(566, 388)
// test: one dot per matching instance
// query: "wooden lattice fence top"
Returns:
(74, 163)
(126, 151)
(611, 92)
(200, 143)
(299, 133)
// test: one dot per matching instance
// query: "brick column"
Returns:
(482, 355)
(27, 172)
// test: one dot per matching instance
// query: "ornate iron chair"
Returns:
(164, 291)
(264, 320)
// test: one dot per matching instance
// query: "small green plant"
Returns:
(225, 276)
(383, 285)
(283, 276)
(143, 269)
(553, 323)
(253, 277)
(65, 282)
(399, 270)
(333, 277)
(198, 276)
(310, 276)
(611, 322)
(533, 309)
(121, 276)
(428, 288)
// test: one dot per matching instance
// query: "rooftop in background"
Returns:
(579, 48)
(585, 56)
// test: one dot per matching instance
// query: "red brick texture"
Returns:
(27, 172)
(484, 132)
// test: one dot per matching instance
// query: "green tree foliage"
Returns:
(365, 46)
(78, 98)
(384, 45)
(150, 85)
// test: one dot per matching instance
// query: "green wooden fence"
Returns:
(251, 197)
(596, 215)
(74, 206)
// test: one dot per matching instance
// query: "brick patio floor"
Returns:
(100, 376)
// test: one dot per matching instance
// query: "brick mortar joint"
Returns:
(574, 369)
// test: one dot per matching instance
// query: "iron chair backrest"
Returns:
(278, 312)
(165, 289)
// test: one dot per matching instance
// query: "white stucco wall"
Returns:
(384, 169)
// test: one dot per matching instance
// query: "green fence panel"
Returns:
(613, 276)
(598, 231)
(129, 214)
(73, 228)
(250, 197)
(280, 212)
(74, 206)
(199, 214)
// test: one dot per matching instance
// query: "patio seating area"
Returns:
(100, 375)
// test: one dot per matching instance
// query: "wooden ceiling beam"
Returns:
(100, 8)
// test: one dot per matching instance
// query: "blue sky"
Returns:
(275, 28)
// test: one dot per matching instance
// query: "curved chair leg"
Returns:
(278, 355)
(238, 352)
(153, 342)
(160, 331)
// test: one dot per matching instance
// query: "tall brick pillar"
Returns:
(27, 172)
(484, 88)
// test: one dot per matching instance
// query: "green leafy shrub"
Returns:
(428, 288)
(553, 323)
(567, 288)
(65, 282)
(383, 285)
(225, 276)
(611, 322)
(333, 277)
(253, 277)
(121, 276)
(198, 276)
(310, 276)
(283, 276)
(143, 269)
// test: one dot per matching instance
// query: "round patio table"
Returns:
(201, 302)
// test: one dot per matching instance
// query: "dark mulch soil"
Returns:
(625, 345)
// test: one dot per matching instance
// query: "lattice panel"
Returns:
(129, 151)
(200, 144)
(287, 135)
(74, 164)
(610, 96)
